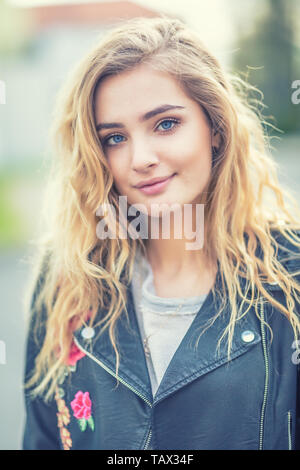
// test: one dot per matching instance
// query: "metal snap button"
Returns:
(88, 332)
(248, 336)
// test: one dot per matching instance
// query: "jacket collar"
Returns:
(188, 362)
(133, 369)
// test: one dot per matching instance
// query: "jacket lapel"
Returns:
(190, 362)
(132, 366)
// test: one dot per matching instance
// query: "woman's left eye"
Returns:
(168, 124)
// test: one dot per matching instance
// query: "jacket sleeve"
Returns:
(40, 428)
(296, 268)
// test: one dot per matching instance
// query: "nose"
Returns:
(143, 155)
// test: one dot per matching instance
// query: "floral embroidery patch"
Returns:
(75, 354)
(63, 419)
(81, 406)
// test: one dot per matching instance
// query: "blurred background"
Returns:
(39, 43)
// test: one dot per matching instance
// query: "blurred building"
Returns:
(59, 37)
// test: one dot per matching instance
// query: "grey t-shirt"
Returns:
(160, 319)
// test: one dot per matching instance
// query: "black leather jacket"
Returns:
(204, 401)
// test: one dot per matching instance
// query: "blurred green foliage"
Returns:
(21, 195)
(15, 30)
(12, 229)
(269, 56)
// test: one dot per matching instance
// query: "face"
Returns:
(150, 129)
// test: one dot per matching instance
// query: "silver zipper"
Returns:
(148, 439)
(290, 430)
(263, 408)
(121, 380)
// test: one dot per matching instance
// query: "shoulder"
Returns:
(287, 248)
(36, 307)
(37, 317)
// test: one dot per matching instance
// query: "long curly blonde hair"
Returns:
(76, 272)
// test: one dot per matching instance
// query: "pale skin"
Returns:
(176, 141)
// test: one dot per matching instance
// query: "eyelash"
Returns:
(174, 120)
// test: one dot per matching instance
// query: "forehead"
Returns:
(139, 89)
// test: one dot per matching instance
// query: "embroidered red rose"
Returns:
(74, 355)
(81, 406)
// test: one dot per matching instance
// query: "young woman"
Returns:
(170, 324)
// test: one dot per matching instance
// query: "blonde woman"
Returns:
(165, 307)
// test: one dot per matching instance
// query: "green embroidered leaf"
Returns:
(91, 423)
(82, 424)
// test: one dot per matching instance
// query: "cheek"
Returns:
(118, 170)
(193, 158)
(194, 146)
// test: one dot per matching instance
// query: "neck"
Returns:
(173, 251)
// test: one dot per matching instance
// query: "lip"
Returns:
(156, 187)
(152, 181)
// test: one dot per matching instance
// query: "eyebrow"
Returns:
(144, 117)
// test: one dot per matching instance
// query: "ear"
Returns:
(215, 141)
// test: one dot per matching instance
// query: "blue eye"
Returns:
(117, 138)
(168, 124)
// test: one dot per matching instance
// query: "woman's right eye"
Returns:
(117, 139)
